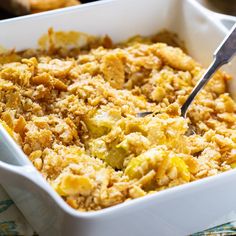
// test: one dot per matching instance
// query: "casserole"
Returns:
(159, 213)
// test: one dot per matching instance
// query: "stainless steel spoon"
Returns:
(222, 55)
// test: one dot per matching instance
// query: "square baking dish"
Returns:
(181, 210)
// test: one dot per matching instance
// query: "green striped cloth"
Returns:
(221, 230)
(13, 223)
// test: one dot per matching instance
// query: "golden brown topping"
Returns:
(174, 57)
(47, 80)
(20, 125)
(76, 117)
(113, 70)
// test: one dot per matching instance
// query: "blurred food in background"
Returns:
(39, 5)
(23, 7)
(11, 8)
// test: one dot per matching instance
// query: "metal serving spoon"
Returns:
(222, 55)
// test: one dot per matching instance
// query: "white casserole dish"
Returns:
(177, 211)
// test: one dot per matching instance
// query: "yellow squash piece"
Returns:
(145, 162)
(7, 128)
(182, 168)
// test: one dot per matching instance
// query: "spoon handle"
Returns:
(222, 55)
(227, 48)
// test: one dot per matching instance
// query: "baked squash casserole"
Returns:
(74, 113)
